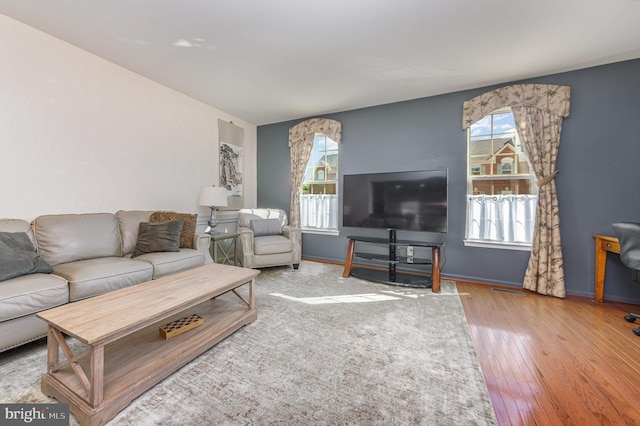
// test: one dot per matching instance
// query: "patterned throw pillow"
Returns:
(188, 230)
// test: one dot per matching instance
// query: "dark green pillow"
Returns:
(160, 236)
(18, 256)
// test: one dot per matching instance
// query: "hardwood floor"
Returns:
(550, 361)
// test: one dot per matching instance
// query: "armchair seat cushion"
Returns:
(272, 244)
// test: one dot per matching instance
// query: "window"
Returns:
(506, 166)
(319, 192)
(501, 193)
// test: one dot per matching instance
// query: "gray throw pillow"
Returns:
(262, 227)
(156, 237)
(18, 256)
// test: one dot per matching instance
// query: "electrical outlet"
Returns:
(409, 251)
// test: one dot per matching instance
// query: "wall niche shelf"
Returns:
(388, 272)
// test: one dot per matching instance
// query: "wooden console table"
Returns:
(604, 244)
(125, 354)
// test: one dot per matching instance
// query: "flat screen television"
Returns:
(412, 201)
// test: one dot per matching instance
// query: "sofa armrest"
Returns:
(246, 246)
(202, 242)
(294, 234)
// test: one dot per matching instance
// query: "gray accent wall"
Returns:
(598, 181)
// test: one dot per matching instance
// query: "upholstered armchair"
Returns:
(267, 240)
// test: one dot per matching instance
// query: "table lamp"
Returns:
(212, 197)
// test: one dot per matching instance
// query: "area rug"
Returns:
(325, 350)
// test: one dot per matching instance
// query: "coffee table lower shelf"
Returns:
(137, 362)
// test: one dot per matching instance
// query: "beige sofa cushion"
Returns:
(129, 221)
(29, 294)
(16, 225)
(70, 237)
(167, 263)
(91, 277)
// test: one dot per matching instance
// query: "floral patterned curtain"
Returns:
(301, 143)
(538, 110)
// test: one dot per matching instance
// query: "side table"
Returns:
(604, 244)
(219, 245)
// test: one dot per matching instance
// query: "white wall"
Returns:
(80, 134)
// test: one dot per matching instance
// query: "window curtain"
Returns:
(538, 110)
(505, 218)
(319, 211)
(300, 144)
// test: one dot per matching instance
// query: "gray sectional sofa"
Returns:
(89, 254)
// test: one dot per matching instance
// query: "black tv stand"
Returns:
(391, 275)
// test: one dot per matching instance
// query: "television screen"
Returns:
(413, 201)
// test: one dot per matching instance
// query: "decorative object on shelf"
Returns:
(212, 197)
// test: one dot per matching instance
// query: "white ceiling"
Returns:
(267, 61)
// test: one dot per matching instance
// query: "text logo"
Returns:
(34, 414)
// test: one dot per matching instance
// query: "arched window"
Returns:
(319, 190)
(506, 166)
(314, 174)
(501, 190)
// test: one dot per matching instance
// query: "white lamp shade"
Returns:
(213, 196)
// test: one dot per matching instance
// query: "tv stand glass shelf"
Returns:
(390, 274)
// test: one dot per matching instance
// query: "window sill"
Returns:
(320, 231)
(498, 245)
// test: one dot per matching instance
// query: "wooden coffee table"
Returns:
(124, 354)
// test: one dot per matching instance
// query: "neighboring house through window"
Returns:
(502, 193)
(319, 192)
